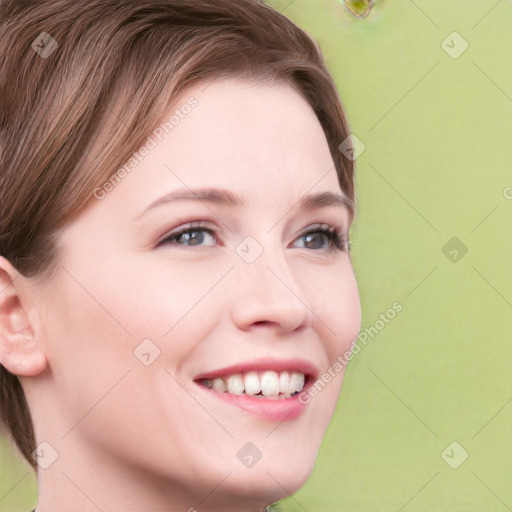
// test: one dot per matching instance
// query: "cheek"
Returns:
(161, 294)
(94, 324)
(335, 301)
(103, 323)
(89, 341)
(136, 298)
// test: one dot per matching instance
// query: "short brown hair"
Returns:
(125, 60)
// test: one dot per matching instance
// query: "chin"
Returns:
(273, 481)
(265, 487)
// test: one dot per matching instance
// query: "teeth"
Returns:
(219, 385)
(284, 379)
(235, 384)
(252, 384)
(296, 382)
(269, 384)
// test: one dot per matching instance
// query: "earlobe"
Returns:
(19, 352)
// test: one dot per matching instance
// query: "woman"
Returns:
(175, 269)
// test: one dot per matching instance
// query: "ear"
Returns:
(19, 352)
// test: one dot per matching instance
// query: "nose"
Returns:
(266, 295)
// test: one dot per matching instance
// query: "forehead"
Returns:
(262, 141)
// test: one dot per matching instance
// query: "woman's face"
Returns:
(139, 311)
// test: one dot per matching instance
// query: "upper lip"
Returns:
(278, 365)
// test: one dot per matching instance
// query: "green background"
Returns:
(437, 164)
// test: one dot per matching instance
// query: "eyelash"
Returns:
(337, 242)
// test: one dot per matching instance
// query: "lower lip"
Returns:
(271, 409)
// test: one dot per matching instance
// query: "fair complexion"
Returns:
(136, 437)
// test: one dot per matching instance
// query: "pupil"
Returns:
(311, 237)
(194, 236)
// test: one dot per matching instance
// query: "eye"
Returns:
(324, 238)
(192, 235)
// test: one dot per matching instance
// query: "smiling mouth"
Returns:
(259, 384)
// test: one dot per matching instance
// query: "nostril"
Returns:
(262, 322)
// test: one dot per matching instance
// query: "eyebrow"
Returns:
(227, 198)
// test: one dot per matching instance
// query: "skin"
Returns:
(135, 437)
